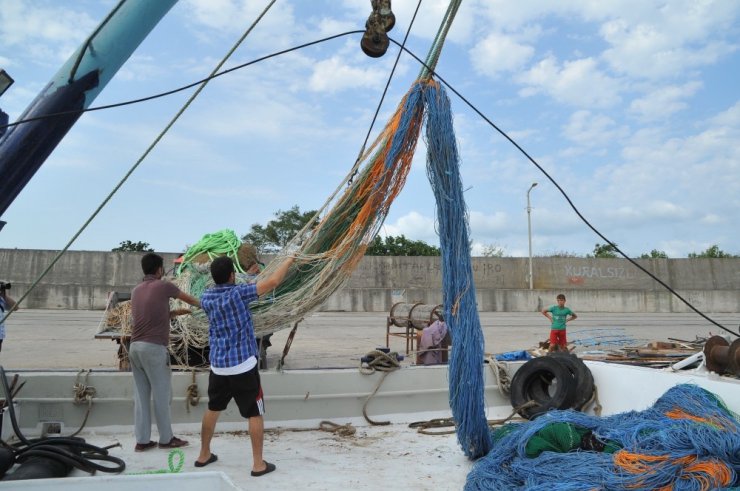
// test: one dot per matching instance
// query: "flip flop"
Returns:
(270, 467)
(213, 458)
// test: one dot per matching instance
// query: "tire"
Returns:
(533, 381)
(584, 380)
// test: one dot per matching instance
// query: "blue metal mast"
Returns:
(24, 148)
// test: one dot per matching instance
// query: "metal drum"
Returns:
(422, 315)
(400, 314)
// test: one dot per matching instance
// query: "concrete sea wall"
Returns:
(82, 280)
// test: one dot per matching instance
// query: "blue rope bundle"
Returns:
(466, 378)
(688, 440)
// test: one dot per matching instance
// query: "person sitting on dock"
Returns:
(234, 357)
(148, 354)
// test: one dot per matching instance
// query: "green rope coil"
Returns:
(214, 245)
(173, 467)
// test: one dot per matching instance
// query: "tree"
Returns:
(604, 250)
(711, 252)
(493, 250)
(127, 245)
(654, 254)
(278, 232)
(400, 246)
(559, 254)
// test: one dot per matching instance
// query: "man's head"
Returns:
(151, 263)
(222, 269)
(561, 299)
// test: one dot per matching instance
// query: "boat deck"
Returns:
(392, 456)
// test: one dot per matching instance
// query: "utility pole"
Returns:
(529, 234)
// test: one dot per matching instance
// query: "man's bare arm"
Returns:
(271, 282)
(188, 299)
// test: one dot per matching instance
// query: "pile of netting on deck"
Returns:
(688, 440)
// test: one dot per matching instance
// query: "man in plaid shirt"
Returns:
(234, 356)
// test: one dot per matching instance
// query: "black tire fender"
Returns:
(533, 381)
(584, 380)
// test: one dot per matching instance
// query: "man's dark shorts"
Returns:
(244, 388)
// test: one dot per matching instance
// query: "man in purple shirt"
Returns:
(148, 354)
(234, 357)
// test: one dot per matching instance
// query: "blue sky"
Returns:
(632, 106)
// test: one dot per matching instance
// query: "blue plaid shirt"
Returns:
(230, 330)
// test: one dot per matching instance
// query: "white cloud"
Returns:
(486, 225)
(711, 219)
(664, 101)
(593, 130)
(40, 32)
(413, 226)
(226, 18)
(497, 53)
(334, 74)
(671, 39)
(578, 83)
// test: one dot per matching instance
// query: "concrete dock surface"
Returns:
(65, 339)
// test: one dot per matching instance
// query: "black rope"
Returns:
(565, 195)
(70, 451)
(185, 87)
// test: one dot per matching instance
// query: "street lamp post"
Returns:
(529, 234)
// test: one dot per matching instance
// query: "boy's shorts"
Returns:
(244, 388)
(557, 337)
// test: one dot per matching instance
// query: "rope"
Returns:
(83, 393)
(466, 379)
(223, 242)
(502, 377)
(172, 466)
(139, 161)
(423, 426)
(192, 397)
(288, 344)
(379, 361)
(341, 430)
(439, 39)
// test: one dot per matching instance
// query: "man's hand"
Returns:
(178, 312)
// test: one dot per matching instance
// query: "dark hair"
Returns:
(151, 262)
(221, 269)
(561, 296)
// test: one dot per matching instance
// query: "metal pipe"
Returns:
(688, 361)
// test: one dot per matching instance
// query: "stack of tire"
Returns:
(556, 381)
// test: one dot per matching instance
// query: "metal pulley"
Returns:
(383, 8)
(375, 41)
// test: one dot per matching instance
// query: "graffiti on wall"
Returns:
(578, 275)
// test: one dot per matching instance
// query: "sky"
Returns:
(631, 106)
